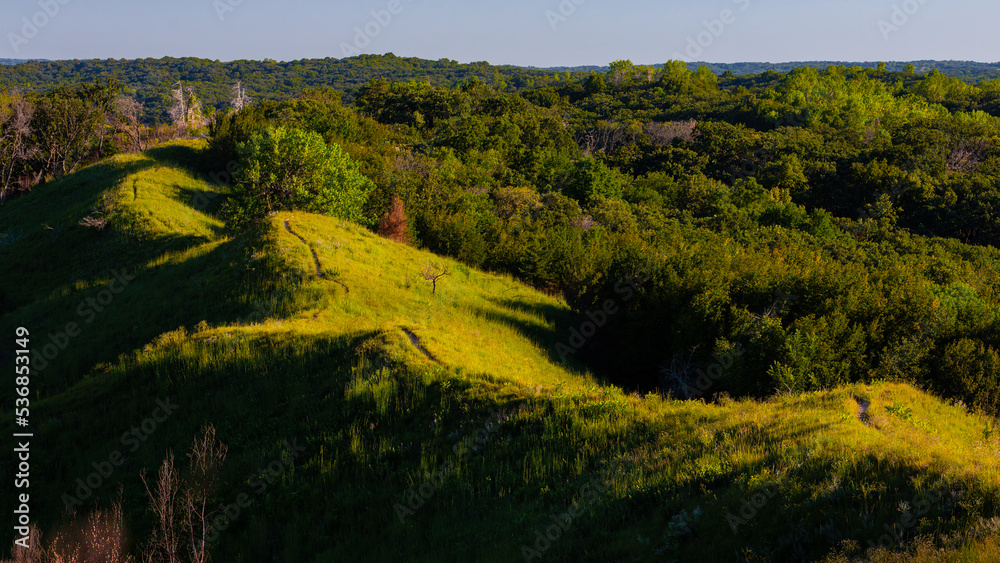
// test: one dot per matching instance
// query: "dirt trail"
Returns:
(319, 267)
(416, 343)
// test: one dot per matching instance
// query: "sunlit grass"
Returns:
(242, 333)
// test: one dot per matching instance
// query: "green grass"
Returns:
(241, 333)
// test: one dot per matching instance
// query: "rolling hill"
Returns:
(370, 418)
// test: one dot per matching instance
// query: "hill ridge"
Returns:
(387, 392)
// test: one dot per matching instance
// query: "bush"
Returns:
(294, 169)
(591, 179)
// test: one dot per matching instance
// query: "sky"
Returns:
(541, 33)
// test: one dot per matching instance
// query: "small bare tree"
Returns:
(165, 542)
(181, 505)
(406, 161)
(432, 274)
(680, 375)
(129, 123)
(607, 136)
(206, 458)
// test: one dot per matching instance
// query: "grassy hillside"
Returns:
(427, 426)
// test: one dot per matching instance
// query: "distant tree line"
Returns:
(151, 81)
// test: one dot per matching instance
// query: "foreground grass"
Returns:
(438, 426)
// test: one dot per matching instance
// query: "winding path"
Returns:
(319, 267)
(415, 340)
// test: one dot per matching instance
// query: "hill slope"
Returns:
(371, 419)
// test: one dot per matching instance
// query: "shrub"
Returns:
(293, 169)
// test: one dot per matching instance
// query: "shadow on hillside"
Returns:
(545, 337)
(570, 345)
(125, 314)
(544, 310)
(194, 160)
(51, 247)
(178, 155)
(90, 184)
(784, 514)
(257, 398)
(208, 202)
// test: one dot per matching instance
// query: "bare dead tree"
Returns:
(15, 140)
(406, 161)
(206, 458)
(662, 134)
(129, 123)
(165, 543)
(181, 505)
(195, 116)
(433, 273)
(872, 130)
(179, 109)
(186, 111)
(680, 374)
(608, 136)
(968, 154)
(238, 98)
(585, 222)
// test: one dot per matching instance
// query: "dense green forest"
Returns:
(969, 71)
(151, 80)
(749, 237)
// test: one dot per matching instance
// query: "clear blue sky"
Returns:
(522, 32)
